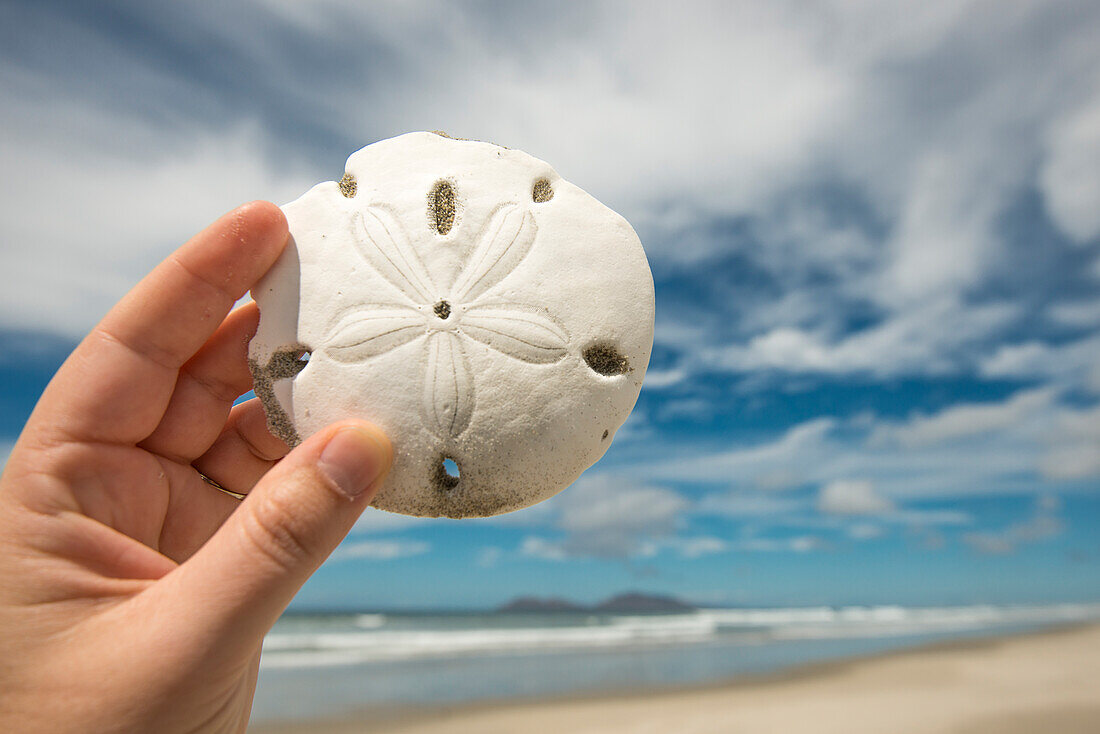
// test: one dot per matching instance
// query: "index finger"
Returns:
(117, 383)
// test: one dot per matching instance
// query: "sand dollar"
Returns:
(495, 320)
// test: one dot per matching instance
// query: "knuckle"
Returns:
(219, 389)
(273, 529)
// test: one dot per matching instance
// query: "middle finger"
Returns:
(205, 390)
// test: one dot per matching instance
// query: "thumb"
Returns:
(242, 579)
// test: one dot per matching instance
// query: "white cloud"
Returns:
(660, 379)
(911, 342)
(865, 531)
(87, 216)
(1006, 446)
(798, 544)
(741, 504)
(756, 464)
(1070, 176)
(1060, 441)
(595, 504)
(1074, 451)
(379, 521)
(943, 234)
(381, 550)
(924, 518)
(689, 409)
(611, 516)
(1018, 360)
(989, 543)
(1078, 314)
(697, 546)
(489, 556)
(968, 419)
(547, 550)
(852, 497)
(1043, 524)
(1073, 363)
(604, 515)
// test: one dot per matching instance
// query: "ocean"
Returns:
(317, 665)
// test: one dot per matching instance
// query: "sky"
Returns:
(874, 229)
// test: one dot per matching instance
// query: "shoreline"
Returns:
(1016, 684)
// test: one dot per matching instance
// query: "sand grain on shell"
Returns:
(282, 365)
(606, 360)
(348, 186)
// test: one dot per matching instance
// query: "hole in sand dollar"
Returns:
(442, 310)
(542, 192)
(348, 186)
(441, 206)
(605, 358)
(446, 474)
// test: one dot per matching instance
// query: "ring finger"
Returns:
(244, 451)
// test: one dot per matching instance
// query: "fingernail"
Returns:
(352, 459)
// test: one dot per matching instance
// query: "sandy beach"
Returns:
(1040, 682)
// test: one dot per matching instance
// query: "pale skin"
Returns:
(134, 596)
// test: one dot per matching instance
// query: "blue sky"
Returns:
(874, 229)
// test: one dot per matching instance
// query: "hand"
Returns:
(133, 595)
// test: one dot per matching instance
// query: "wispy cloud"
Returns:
(1043, 524)
(697, 546)
(1074, 452)
(489, 556)
(769, 464)
(1070, 176)
(852, 497)
(381, 550)
(797, 544)
(1075, 362)
(608, 516)
(1006, 446)
(967, 419)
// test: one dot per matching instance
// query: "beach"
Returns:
(1045, 681)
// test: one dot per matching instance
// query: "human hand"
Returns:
(134, 596)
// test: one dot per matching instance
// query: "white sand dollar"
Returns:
(495, 320)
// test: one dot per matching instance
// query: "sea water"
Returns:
(337, 664)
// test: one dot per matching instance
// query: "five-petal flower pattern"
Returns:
(445, 319)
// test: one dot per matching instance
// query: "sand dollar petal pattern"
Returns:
(448, 396)
(385, 245)
(522, 332)
(372, 331)
(502, 245)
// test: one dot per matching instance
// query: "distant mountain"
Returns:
(535, 604)
(630, 603)
(636, 602)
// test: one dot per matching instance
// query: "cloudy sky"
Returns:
(874, 229)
